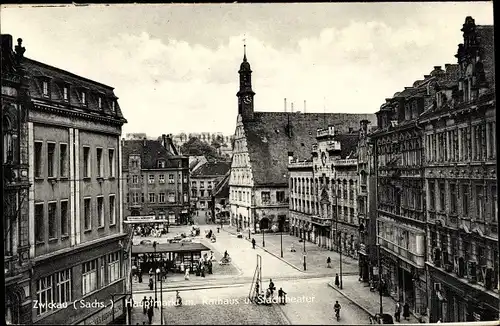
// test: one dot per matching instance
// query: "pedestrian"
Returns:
(292, 248)
(150, 315)
(281, 296)
(209, 267)
(406, 311)
(397, 312)
(151, 302)
(139, 271)
(253, 243)
(203, 270)
(337, 280)
(329, 262)
(151, 272)
(144, 305)
(186, 275)
(271, 286)
(150, 283)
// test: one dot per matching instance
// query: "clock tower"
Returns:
(245, 94)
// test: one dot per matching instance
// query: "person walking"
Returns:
(329, 262)
(145, 305)
(139, 271)
(186, 274)
(150, 314)
(406, 311)
(281, 296)
(337, 280)
(151, 283)
(253, 243)
(397, 312)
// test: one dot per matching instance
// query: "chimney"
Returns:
(164, 141)
(290, 157)
(292, 107)
(7, 42)
(305, 106)
(331, 130)
(285, 104)
(144, 141)
(438, 68)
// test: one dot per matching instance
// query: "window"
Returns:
(193, 193)
(135, 197)
(171, 178)
(193, 184)
(63, 286)
(209, 184)
(202, 185)
(100, 211)
(266, 196)
(480, 202)
(442, 197)
(494, 204)
(171, 197)
(63, 160)
(99, 102)
(113, 106)
(51, 150)
(65, 93)
(465, 201)
(39, 223)
(280, 196)
(185, 197)
(185, 179)
(135, 179)
(151, 178)
(114, 267)
(89, 277)
(86, 214)
(202, 193)
(152, 198)
(453, 198)
(112, 210)
(161, 197)
(86, 162)
(161, 178)
(99, 162)
(45, 85)
(44, 294)
(52, 220)
(102, 274)
(111, 159)
(432, 196)
(142, 197)
(84, 98)
(64, 218)
(161, 164)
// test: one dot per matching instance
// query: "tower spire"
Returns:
(244, 49)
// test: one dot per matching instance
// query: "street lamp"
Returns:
(339, 243)
(156, 275)
(263, 240)
(380, 279)
(304, 240)
(281, 240)
(158, 272)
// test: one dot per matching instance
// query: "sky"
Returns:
(174, 67)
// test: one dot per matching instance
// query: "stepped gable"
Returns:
(58, 77)
(272, 135)
(150, 151)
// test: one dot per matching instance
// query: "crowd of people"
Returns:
(146, 230)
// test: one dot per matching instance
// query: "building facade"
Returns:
(156, 181)
(366, 204)
(76, 237)
(323, 190)
(204, 179)
(460, 179)
(15, 184)
(263, 145)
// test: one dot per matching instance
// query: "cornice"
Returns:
(83, 115)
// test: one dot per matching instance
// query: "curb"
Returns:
(283, 260)
(348, 298)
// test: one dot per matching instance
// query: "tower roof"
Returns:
(245, 65)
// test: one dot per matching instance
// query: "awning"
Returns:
(170, 247)
(143, 219)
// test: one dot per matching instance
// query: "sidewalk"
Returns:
(315, 256)
(359, 293)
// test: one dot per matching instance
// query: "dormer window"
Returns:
(84, 97)
(45, 86)
(99, 100)
(113, 106)
(161, 164)
(66, 93)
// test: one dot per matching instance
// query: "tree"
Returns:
(195, 147)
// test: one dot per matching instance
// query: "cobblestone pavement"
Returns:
(360, 294)
(315, 256)
(308, 302)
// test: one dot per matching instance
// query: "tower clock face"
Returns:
(247, 99)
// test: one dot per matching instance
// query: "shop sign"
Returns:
(105, 316)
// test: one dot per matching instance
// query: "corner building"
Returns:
(76, 239)
(461, 183)
(264, 142)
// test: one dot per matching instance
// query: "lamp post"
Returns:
(158, 272)
(338, 239)
(304, 240)
(281, 240)
(156, 275)
(263, 239)
(380, 279)
(340, 263)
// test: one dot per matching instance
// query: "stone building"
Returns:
(203, 181)
(15, 166)
(323, 191)
(263, 143)
(366, 204)
(460, 178)
(157, 182)
(76, 237)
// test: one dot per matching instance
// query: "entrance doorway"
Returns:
(264, 223)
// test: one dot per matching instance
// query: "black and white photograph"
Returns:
(249, 163)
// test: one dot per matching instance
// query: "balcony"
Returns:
(345, 162)
(323, 132)
(305, 164)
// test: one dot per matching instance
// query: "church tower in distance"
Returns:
(245, 94)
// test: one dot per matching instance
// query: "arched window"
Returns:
(9, 140)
